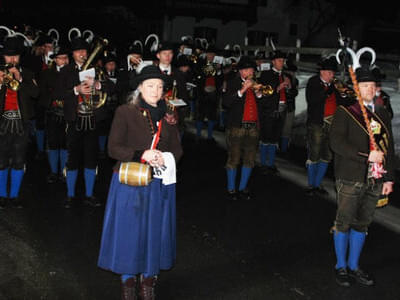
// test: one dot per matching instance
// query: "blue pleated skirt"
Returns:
(139, 229)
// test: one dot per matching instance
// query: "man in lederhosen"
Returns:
(359, 178)
(273, 110)
(51, 102)
(16, 109)
(209, 88)
(322, 100)
(242, 127)
(82, 138)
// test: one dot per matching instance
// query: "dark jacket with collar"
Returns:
(350, 144)
(235, 104)
(69, 78)
(131, 135)
(48, 84)
(316, 96)
(28, 90)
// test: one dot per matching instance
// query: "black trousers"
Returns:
(55, 128)
(13, 148)
(81, 145)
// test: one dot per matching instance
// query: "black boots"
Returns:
(146, 289)
(128, 289)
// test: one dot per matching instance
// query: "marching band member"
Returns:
(272, 111)
(81, 130)
(17, 88)
(55, 125)
(322, 99)
(242, 127)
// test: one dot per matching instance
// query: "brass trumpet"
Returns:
(209, 69)
(9, 81)
(266, 90)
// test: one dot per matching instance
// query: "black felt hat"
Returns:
(246, 62)
(165, 46)
(277, 54)
(365, 74)
(135, 49)
(13, 46)
(110, 57)
(43, 39)
(150, 72)
(377, 72)
(61, 51)
(329, 64)
(79, 44)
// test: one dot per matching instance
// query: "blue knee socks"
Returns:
(271, 155)
(90, 177)
(320, 173)
(199, 127)
(341, 242)
(210, 129)
(63, 158)
(263, 154)
(356, 243)
(40, 140)
(311, 172)
(231, 176)
(53, 160)
(72, 175)
(244, 178)
(3, 182)
(16, 180)
(102, 143)
(284, 144)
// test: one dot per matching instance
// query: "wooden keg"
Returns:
(135, 173)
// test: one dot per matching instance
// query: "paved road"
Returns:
(277, 246)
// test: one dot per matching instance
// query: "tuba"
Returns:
(97, 98)
(209, 69)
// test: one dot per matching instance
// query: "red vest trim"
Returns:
(11, 102)
(250, 113)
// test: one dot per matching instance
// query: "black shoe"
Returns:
(232, 196)
(361, 277)
(3, 202)
(61, 178)
(92, 201)
(244, 195)
(342, 277)
(40, 155)
(211, 141)
(52, 178)
(321, 191)
(311, 191)
(16, 203)
(68, 202)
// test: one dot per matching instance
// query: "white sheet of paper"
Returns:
(83, 75)
(265, 67)
(177, 102)
(190, 85)
(187, 51)
(218, 60)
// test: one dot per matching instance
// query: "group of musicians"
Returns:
(52, 89)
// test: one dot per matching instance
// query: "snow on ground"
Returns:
(389, 86)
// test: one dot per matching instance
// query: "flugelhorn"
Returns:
(266, 90)
(9, 80)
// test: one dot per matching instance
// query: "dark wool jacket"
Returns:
(350, 144)
(316, 97)
(233, 103)
(26, 92)
(49, 90)
(131, 135)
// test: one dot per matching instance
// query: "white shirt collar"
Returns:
(370, 104)
(165, 68)
(277, 71)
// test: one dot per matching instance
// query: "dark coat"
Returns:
(350, 144)
(271, 78)
(69, 78)
(385, 99)
(125, 84)
(131, 135)
(316, 96)
(49, 91)
(233, 103)
(27, 91)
